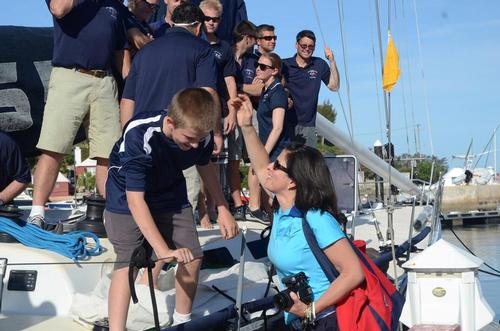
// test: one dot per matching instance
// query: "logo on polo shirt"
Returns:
(112, 11)
(313, 74)
(249, 73)
(218, 55)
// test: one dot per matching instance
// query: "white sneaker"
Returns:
(37, 220)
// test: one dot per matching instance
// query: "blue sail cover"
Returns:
(25, 67)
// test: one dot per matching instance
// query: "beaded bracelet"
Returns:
(309, 314)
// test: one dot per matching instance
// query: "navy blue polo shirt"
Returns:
(246, 71)
(12, 163)
(273, 97)
(304, 84)
(145, 160)
(226, 67)
(88, 35)
(167, 65)
(159, 28)
(234, 12)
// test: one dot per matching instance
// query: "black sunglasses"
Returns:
(263, 66)
(269, 38)
(151, 6)
(304, 47)
(278, 166)
(213, 19)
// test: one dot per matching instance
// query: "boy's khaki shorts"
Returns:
(177, 229)
(75, 98)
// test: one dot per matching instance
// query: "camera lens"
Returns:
(282, 300)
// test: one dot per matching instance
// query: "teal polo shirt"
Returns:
(289, 252)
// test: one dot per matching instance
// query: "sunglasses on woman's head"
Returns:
(263, 66)
(277, 166)
(269, 38)
(213, 19)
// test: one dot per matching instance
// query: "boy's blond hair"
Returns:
(213, 4)
(194, 108)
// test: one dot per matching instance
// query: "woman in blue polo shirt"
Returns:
(301, 184)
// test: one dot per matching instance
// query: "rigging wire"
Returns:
(470, 251)
(349, 125)
(486, 147)
(403, 89)
(340, 6)
(405, 43)
(377, 93)
(426, 98)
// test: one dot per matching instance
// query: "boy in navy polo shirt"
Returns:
(303, 74)
(147, 198)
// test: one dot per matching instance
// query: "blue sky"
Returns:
(460, 55)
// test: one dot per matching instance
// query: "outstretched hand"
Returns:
(329, 54)
(244, 109)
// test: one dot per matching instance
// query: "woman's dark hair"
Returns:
(314, 186)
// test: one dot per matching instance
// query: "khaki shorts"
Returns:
(75, 98)
(177, 229)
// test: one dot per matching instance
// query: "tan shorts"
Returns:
(177, 229)
(75, 98)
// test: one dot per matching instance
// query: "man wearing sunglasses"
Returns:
(266, 39)
(303, 74)
(235, 11)
(226, 88)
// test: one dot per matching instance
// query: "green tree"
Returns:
(87, 180)
(326, 109)
(423, 166)
(324, 146)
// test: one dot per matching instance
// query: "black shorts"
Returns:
(177, 229)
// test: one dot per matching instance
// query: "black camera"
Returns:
(295, 283)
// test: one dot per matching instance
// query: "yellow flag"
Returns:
(391, 66)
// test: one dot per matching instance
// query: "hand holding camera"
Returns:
(295, 283)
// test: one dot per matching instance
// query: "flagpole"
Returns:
(387, 103)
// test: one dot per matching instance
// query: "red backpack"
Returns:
(374, 305)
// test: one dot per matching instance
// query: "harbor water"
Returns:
(483, 240)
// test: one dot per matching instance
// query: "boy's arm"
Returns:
(333, 82)
(126, 110)
(144, 220)
(227, 224)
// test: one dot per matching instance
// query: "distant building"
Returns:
(87, 165)
(62, 187)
